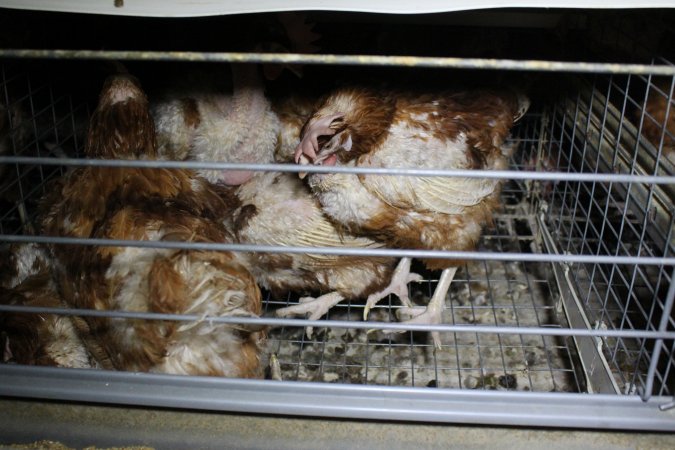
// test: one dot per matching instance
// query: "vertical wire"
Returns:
(454, 335)
(577, 197)
(597, 165)
(563, 195)
(664, 386)
(615, 271)
(494, 307)
(434, 353)
(658, 345)
(616, 205)
(573, 200)
(642, 351)
(538, 324)
(650, 195)
(22, 195)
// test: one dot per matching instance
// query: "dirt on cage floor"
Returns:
(493, 293)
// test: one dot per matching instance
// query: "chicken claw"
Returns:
(433, 314)
(275, 368)
(398, 285)
(317, 307)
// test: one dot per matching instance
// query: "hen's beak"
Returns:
(327, 154)
(309, 151)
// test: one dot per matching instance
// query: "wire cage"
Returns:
(569, 293)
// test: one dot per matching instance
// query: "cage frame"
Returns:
(597, 410)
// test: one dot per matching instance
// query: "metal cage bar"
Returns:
(578, 184)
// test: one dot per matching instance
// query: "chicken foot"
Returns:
(316, 307)
(398, 286)
(433, 314)
(275, 368)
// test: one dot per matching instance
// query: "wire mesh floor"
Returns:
(493, 293)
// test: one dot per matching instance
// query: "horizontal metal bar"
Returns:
(360, 60)
(277, 322)
(201, 165)
(338, 400)
(350, 251)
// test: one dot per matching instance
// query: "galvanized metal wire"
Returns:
(351, 251)
(294, 168)
(360, 60)
(277, 322)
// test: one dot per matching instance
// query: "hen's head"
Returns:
(323, 138)
(350, 123)
(121, 127)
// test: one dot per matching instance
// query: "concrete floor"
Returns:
(80, 426)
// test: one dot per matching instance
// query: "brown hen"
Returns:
(150, 205)
(30, 338)
(358, 127)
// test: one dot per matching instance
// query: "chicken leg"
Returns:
(433, 314)
(398, 285)
(317, 307)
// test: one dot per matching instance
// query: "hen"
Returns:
(364, 128)
(39, 339)
(273, 208)
(658, 124)
(152, 205)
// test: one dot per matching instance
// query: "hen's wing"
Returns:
(150, 205)
(282, 212)
(430, 194)
(165, 281)
(279, 210)
(448, 195)
(31, 338)
(454, 131)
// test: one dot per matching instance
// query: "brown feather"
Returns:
(166, 287)
(656, 127)
(149, 204)
(39, 339)
(481, 119)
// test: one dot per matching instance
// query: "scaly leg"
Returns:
(275, 368)
(433, 314)
(317, 307)
(398, 285)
